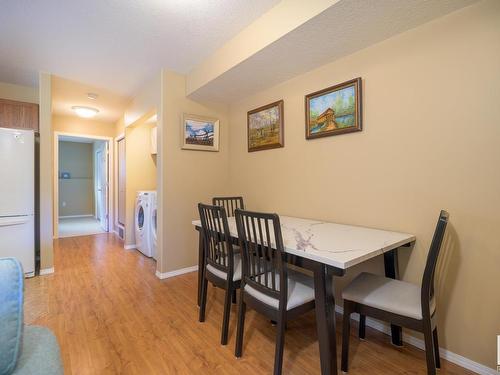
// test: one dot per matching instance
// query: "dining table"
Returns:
(329, 249)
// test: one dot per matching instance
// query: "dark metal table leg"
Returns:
(392, 271)
(325, 318)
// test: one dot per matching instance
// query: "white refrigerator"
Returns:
(17, 197)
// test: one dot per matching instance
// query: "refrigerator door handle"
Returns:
(16, 220)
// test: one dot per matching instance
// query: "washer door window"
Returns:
(140, 217)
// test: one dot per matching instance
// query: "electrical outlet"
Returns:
(64, 204)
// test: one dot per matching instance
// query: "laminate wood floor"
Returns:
(112, 315)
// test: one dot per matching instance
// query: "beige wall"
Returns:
(19, 93)
(140, 169)
(46, 176)
(76, 195)
(146, 100)
(120, 127)
(430, 141)
(189, 176)
(77, 125)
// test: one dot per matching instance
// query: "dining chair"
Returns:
(398, 302)
(267, 285)
(222, 264)
(229, 203)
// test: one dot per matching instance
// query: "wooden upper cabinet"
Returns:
(18, 115)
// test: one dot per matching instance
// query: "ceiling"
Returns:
(342, 29)
(117, 44)
(67, 93)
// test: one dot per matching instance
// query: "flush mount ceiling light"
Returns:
(85, 112)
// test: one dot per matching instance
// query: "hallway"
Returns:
(79, 226)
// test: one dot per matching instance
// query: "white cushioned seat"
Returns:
(300, 290)
(395, 296)
(223, 275)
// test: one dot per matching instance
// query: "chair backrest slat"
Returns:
(430, 266)
(263, 254)
(217, 240)
(229, 203)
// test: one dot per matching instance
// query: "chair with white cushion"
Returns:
(267, 285)
(398, 302)
(222, 264)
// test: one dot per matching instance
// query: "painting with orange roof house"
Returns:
(334, 110)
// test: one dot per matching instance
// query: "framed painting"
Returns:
(265, 127)
(200, 133)
(334, 110)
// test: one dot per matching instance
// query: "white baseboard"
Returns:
(457, 359)
(74, 216)
(47, 271)
(166, 275)
(129, 247)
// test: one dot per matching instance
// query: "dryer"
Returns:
(143, 222)
(154, 224)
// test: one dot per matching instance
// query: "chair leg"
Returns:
(436, 348)
(227, 312)
(203, 299)
(238, 352)
(429, 351)
(234, 296)
(280, 345)
(362, 327)
(346, 333)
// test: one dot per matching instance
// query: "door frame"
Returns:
(97, 163)
(116, 223)
(55, 176)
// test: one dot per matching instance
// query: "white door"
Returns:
(101, 182)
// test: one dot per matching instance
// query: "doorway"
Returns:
(82, 203)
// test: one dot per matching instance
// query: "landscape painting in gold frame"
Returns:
(334, 110)
(265, 127)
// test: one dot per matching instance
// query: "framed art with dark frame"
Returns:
(334, 110)
(265, 127)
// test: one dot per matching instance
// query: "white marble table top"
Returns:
(337, 245)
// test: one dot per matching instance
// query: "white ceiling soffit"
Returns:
(117, 44)
(344, 28)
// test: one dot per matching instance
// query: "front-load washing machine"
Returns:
(154, 224)
(143, 222)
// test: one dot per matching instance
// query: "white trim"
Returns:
(74, 216)
(115, 176)
(457, 359)
(130, 247)
(166, 275)
(47, 271)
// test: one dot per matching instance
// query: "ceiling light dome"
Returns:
(85, 112)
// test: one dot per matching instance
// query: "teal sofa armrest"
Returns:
(11, 313)
(40, 354)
